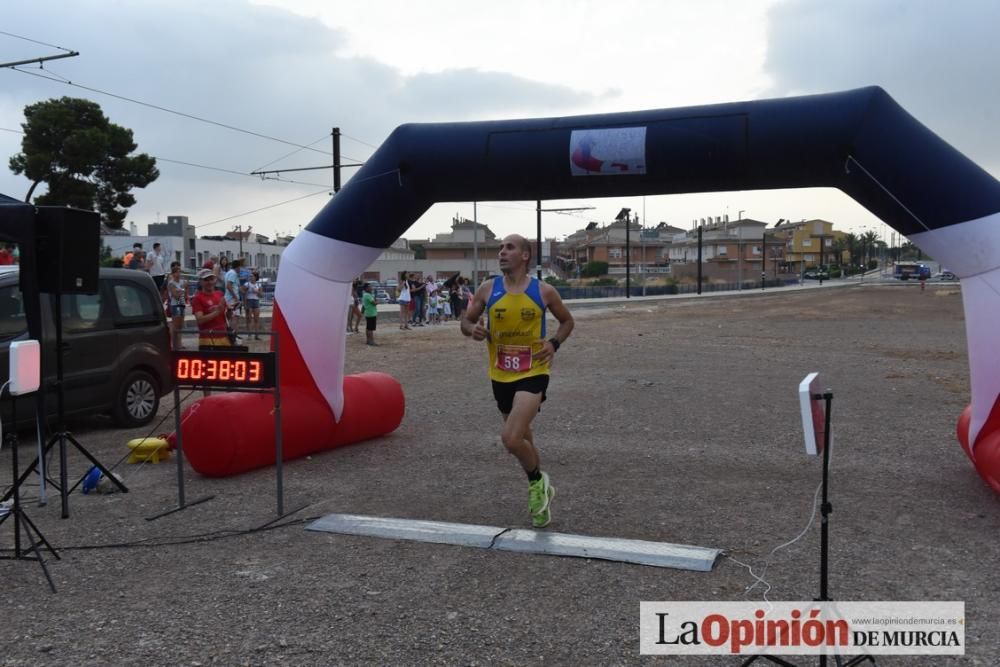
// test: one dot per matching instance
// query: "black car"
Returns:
(116, 347)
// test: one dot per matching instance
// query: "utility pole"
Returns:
(336, 166)
(475, 248)
(336, 159)
(699, 258)
(643, 270)
(538, 240)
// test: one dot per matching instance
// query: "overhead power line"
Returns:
(205, 166)
(286, 155)
(65, 81)
(262, 208)
(35, 41)
(233, 171)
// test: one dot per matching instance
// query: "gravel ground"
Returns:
(672, 420)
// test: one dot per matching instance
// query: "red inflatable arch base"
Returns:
(227, 434)
(986, 453)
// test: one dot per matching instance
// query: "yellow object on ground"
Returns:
(153, 450)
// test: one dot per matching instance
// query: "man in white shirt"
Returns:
(156, 265)
(231, 291)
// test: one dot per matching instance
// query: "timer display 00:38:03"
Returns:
(224, 369)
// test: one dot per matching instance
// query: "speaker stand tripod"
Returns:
(826, 508)
(62, 436)
(34, 538)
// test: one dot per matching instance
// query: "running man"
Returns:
(520, 357)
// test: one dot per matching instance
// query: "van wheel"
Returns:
(137, 400)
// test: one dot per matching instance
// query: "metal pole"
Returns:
(699, 259)
(642, 237)
(739, 257)
(475, 249)
(180, 447)
(763, 260)
(336, 159)
(643, 265)
(538, 241)
(628, 256)
(278, 445)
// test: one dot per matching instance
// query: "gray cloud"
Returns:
(254, 67)
(937, 59)
(470, 92)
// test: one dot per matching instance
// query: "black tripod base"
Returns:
(35, 541)
(62, 438)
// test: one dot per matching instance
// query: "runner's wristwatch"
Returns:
(555, 343)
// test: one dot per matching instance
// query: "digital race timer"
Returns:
(250, 370)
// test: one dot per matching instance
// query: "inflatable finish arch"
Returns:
(859, 141)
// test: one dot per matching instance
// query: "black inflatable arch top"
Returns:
(859, 141)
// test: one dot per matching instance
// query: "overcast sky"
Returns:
(292, 69)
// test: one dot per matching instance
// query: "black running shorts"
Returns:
(504, 391)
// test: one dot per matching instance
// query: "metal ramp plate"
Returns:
(641, 552)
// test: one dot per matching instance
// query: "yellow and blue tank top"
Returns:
(516, 323)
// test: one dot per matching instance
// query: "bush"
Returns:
(835, 272)
(556, 282)
(594, 269)
(605, 282)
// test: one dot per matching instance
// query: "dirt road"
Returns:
(673, 421)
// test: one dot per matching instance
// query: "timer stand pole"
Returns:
(180, 462)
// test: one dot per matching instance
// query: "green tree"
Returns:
(594, 269)
(85, 160)
(852, 243)
(869, 241)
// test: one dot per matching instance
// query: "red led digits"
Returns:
(232, 369)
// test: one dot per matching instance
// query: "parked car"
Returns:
(116, 347)
(382, 296)
(816, 274)
(948, 275)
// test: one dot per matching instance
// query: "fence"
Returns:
(569, 293)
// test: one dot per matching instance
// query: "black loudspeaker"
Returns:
(69, 250)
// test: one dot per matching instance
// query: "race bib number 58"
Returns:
(514, 358)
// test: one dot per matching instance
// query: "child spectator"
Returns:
(371, 313)
(433, 302)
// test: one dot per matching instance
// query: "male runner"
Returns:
(520, 357)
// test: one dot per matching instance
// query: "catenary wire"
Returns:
(28, 39)
(68, 82)
(286, 155)
(210, 168)
(262, 208)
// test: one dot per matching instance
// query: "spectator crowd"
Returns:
(226, 293)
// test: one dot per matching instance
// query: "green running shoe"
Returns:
(540, 493)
